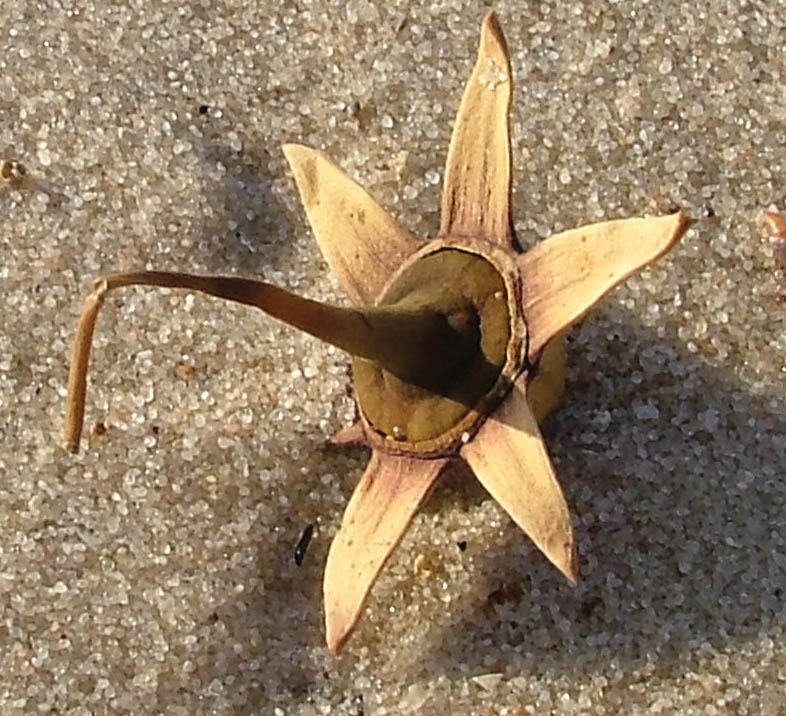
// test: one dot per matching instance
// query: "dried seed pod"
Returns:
(457, 344)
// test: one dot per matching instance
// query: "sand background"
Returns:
(154, 573)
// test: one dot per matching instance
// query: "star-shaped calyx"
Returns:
(456, 343)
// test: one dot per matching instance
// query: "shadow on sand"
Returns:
(678, 506)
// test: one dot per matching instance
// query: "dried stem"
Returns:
(404, 340)
(77, 377)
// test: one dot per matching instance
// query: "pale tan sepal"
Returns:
(510, 460)
(349, 435)
(385, 500)
(361, 242)
(476, 190)
(565, 275)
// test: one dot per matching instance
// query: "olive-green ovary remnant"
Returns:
(456, 372)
